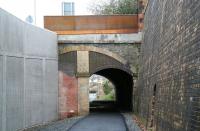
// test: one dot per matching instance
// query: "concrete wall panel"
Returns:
(1, 90)
(14, 93)
(36, 108)
(12, 43)
(50, 92)
(50, 105)
(28, 74)
(1, 32)
(34, 88)
(51, 74)
(35, 45)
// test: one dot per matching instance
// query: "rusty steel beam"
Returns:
(102, 24)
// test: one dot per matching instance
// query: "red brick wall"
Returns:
(68, 96)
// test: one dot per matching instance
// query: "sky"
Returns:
(24, 8)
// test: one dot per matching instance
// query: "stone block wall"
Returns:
(170, 66)
(28, 74)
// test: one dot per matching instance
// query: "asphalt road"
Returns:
(100, 122)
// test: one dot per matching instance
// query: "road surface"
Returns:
(100, 122)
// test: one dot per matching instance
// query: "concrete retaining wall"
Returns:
(28, 74)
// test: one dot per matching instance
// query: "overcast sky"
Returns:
(24, 8)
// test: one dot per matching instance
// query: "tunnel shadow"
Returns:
(123, 83)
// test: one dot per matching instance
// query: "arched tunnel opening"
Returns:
(102, 93)
(123, 83)
(74, 73)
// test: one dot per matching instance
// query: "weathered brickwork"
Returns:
(170, 65)
(68, 85)
(68, 96)
(129, 52)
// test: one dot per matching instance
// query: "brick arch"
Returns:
(94, 49)
(105, 62)
(112, 67)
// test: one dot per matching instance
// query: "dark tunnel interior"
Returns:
(123, 83)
